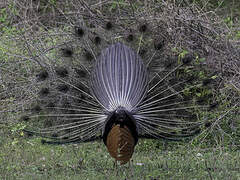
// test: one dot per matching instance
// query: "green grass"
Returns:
(27, 158)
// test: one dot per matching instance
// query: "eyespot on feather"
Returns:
(130, 38)
(63, 88)
(81, 73)
(158, 45)
(206, 81)
(109, 26)
(36, 109)
(44, 91)
(88, 55)
(42, 75)
(213, 105)
(25, 118)
(67, 52)
(143, 28)
(54, 135)
(62, 72)
(142, 52)
(97, 40)
(208, 124)
(29, 134)
(79, 31)
(43, 141)
(187, 59)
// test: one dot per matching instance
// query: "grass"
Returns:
(24, 157)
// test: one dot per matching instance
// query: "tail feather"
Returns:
(119, 79)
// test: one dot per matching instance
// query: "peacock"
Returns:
(101, 72)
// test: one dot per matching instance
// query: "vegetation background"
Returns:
(214, 154)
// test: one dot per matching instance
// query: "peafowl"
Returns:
(104, 73)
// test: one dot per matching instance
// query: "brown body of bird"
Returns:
(120, 143)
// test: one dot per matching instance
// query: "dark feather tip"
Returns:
(201, 100)
(42, 75)
(193, 116)
(168, 64)
(25, 118)
(36, 109)
(143, 28)
(109, 26)
(213, 105)
(142, 52)
(29, 134)
(208, 124)
(48, 123)
(187, 59)
(54, 135)
(81, 97)
(130, 38)
(67, 52)
(198, 131)
(206, 82)
(158, 45)
(43, 141)
(79, 31)
(44, 92)
(81, 73)
(88, 55)
(97, 40)
(191, 132)
(62, 72)
(63, 88)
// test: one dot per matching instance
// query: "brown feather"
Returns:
(120, 143)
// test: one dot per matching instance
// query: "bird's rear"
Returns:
(120, 143)
(119, 82)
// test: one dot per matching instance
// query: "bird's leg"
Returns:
(114, 164)
(130, 166)
(115, 167)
